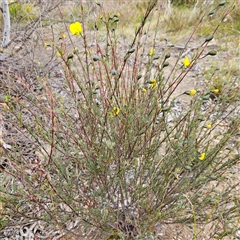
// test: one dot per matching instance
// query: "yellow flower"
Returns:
(208, 126)
(186, 62)
(47, 45)
(75, 28)
(153, 83)
(118, 15)
(115, 111)
(144, 90)
(202, 156)
(151, 51)
(215, 90)
(59, 54)
(191, 92)
(63, 36)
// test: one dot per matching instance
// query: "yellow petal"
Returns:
(186, 62)
(153, 81)
(208, 126)
(115, 111)
(59, 54)
(151, 52)
(144, 90)
(75, 28)
(193, 92)
(202, 157)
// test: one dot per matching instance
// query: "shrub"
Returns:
(188, 3)
(114, 146)
(22, 11)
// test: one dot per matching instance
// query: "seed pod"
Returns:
(168, 55)
(98, 3)
(114, 72)
(211, 13)
(209, 38)
(165, 109)
(95, 58)
(212, 53)
(116, 19)
(222, 3)
(131, 50)
(200, 119)
(165, 64)
(70, 56)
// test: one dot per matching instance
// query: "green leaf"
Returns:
(188, 168)
(110, 144)
(7, 98)
(213, 177)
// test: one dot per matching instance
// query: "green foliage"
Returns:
(185, 3)
(181, 20)
(3, 222)
(226, 80)
(22, 11)
(199, 3)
